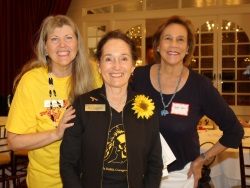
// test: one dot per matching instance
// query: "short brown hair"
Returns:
(115, 34)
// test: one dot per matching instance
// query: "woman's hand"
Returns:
(195, 169)
(196, 165)
(32, 141)
(68, 115)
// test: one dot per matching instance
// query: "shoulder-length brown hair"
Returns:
(191, 37)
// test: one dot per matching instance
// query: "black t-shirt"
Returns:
(115, 159)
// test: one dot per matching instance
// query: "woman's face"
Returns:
(116, 64)
(61, 46)
(173, 44)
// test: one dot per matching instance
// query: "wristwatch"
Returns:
(203, 156)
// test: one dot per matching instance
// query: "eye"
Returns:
(124, 58)
(68, 38)
(180, 39)
(108, 59)
(167, 38)
(54, 39)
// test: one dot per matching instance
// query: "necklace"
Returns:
(164, 112)
(52, 90)
(117, 104)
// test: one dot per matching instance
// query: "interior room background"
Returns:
(19, 22)
(222, 49)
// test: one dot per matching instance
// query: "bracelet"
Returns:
(203, 156)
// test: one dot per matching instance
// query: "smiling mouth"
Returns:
(117, 74)
(62, 53)
(173, 53)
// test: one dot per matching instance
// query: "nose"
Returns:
(62, 43)
(174, 43)
(117, 63)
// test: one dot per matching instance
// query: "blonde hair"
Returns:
(82, 79)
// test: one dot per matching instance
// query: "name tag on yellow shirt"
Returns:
(54, 103)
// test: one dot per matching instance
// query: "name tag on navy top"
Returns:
(95, 107)
(179, 109)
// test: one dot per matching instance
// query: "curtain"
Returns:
(19, 22)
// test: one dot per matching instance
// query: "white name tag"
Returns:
(180, 109)
(95, 107)
(54, 103)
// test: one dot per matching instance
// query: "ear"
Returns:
(133, 70)
(98, 67)
(158, 48)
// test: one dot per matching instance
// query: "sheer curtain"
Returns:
(20, 21)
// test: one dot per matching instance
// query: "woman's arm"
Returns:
(197, 164)
(243, 122)
(37, 140)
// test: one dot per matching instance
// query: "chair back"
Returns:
(5, 154)
(243, 165)
(19, 180)
(4, 149)
(3, 134)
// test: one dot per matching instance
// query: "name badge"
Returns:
(179, 109)
(95, 107)
(54, 103)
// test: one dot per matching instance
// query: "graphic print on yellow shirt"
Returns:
(32, 115)
(115, 159)
(57, 111)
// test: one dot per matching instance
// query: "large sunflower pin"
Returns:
(143, 106)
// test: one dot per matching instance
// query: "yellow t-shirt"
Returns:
(97, 76)
(30, 113)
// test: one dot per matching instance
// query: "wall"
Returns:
(91, 3)
(239, 14)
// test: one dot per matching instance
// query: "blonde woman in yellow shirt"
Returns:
(44, 90)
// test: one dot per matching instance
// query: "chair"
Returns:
(19, 158)
(18, 179)
(243, 166)
(19, 161)
(5, 152)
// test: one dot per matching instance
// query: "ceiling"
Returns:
(152, 24)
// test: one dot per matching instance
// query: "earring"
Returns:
(47, 57)
(187, 50)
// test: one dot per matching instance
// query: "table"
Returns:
(3, 120)
(225, 171)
